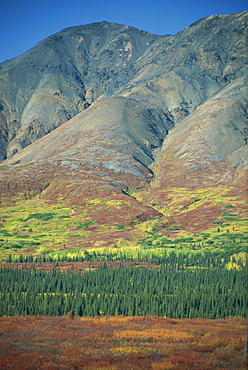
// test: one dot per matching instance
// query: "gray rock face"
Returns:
(116, 133)
(129, 88)
(61, 76)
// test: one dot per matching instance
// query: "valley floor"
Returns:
(118, 342)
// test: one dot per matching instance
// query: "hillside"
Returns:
(114, 137)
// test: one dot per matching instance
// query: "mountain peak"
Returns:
(65, 73)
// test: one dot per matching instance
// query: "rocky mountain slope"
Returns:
(96, 111)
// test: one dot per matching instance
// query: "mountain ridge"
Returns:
(70, 90)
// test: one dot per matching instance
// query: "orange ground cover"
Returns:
(111, 343)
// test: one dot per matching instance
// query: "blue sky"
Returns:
(23, 23)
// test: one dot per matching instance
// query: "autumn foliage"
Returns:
(111, 343)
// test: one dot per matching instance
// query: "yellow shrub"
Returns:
(125, 350)
(231, 265)
(163, 365)
(156, 334)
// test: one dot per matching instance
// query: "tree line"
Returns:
(171, 258)
(125, 290)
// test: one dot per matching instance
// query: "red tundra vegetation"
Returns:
(118, 342)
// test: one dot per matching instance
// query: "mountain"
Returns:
(109, 120)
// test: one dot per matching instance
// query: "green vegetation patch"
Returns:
(33, 223)
(120, 227)
(84, 225)
(41, 216)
